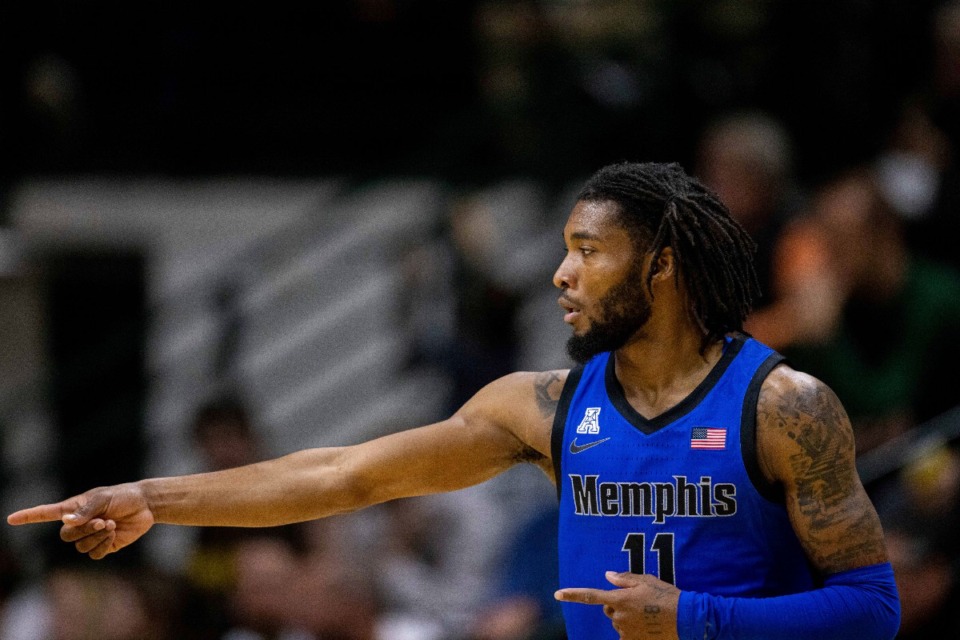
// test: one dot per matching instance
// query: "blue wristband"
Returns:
(860, 603)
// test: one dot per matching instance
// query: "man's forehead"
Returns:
(591, 219)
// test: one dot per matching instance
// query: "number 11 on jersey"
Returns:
(635, 545)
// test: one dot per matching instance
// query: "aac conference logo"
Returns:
(589, 425)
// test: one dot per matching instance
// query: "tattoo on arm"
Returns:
(653, 614)
(548, 387)
(823, 481)
(840, 528)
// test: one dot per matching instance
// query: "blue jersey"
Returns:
(679, 496)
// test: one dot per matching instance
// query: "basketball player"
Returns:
(707, 490)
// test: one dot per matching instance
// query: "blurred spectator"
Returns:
(486, 309)
(299, 588)
(413, 571)
(259, 598)
(910, 169)
(920, 168)
(53, 113)
(87, 603)
(747, 160)
(920, 176)
(298, 582)
(225, 438)
(437, 559)
(805, 292)
(921, 516)
(925, 500)
(524, 606)
(334, 590)
(13, 595)
(888, 346)
(476, 341)
(927, 585)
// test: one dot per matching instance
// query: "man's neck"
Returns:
(658, 373)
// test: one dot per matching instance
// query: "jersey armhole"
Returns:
(560, 421)
(748, 432)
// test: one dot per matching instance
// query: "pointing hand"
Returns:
(642, 608)
(98, 522)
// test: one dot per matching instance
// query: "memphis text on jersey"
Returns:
(680, 498)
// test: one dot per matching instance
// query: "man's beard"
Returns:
(625, 310)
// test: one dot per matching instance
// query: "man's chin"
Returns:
(600, 338)
(582, 347)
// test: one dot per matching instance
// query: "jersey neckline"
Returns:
(731, 348)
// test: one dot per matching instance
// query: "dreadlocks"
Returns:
(661, 206)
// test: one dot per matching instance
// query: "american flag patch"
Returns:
(708, 438)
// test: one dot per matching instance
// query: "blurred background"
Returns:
(227, 233)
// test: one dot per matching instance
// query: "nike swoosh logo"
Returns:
(580, 448)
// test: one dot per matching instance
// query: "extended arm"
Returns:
(505, 423)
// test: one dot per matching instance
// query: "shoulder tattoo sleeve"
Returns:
(832, 515)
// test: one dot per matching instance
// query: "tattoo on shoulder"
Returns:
(841, 527)
(548, 386)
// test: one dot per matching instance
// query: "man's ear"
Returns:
(666, 265)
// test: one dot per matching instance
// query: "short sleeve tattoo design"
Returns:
(841, 529)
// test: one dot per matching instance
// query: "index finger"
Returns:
(41, 513)
(582, 595)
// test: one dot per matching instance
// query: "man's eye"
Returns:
(586, 250)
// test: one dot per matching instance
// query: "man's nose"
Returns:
(564, 277)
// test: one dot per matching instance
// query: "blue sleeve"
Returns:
(860, 603)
